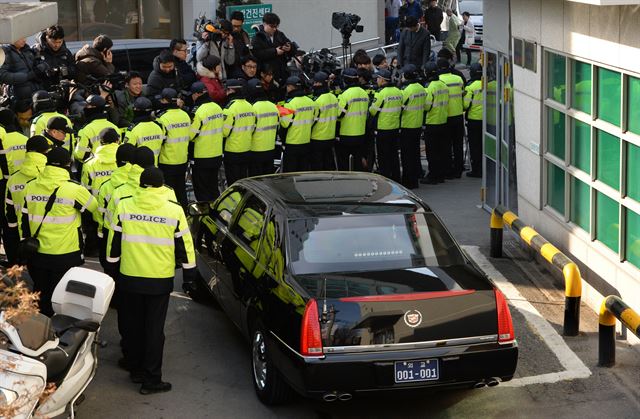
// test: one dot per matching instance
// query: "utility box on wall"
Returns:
(20, 20)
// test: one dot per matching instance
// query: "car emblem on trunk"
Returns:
(413, 318)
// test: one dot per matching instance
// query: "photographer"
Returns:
(220, 43)
(52, 49)
(95, 60)
(272, 47)
(20, 71)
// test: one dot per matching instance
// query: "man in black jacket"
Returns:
(163, 76)
(52, 49)
(415, 44)
(272, 47)
(186, 74)
(20, 71)
(434, 16)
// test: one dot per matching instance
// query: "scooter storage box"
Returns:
(83, 294)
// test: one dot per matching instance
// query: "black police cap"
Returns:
(96, 101)
(383, 74)
(151, 177)
(144, 157)
(320, 77)
(38, 143)
(125, 153)
(350, 73)
(409, 69)
(142, 104)
(235, 84)
(59, 157)
(198, 87)
(60, 124)
(294, 81)
(168, 94)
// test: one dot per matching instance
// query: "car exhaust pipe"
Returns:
(492, 382)
(479, 384)
(330, 397)
(345, 397)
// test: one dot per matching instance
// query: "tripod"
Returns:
(346, 49)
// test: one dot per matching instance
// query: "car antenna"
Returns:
(324, 301)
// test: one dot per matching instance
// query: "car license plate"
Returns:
(420, 370)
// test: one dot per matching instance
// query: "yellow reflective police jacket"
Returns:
(413, 106)
(473, 100)
(206, 131)
(437, 103)
(455, 85)
(175, 149)
(298, 124)
(119, 176)
(14, 197)
(99, 167)
(387, 107)
(60, 233)
(239, 123)
(149, 134)
(89, 138)
(39, 125)
(354, 106)
(326, 117)
(150, 236)
(267, 122)
(15, 147)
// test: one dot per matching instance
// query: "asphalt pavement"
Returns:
(207, 360)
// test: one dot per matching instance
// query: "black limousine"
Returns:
(346, 283)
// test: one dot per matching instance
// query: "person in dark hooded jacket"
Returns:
(20, 71)
(272, 48)
(163, 76)
(95, 60)
(52, 49)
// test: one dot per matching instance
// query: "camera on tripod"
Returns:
(346, 23)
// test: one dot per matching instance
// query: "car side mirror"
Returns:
(199, 208)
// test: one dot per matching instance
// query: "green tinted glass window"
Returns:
(556, 89)
(581, 94)
(607, 222)
(633, 98)
(633, 238)
(633, 171)
(580, 204)
(556, 133)
(609, 90)
(555, 187)
(608, 159)
(581, 145)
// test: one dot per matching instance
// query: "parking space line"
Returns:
(574, 367)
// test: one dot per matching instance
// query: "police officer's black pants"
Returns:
(436, 147)
(322, 155)
(46, 271)
(90, 228)
(204, 176)
(10, 240)
(143, 318)
(261, 163)
(410, 152)
(474, 132)
(296, 158)
(236, 166)
(455, 134)
(347, 146)
(175, 178)
(388, 148)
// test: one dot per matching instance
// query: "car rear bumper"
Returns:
(374, 371)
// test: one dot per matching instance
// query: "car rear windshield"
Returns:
(352, 243)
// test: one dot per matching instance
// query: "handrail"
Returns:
(572, 279)
(364, 41)
(613, 308)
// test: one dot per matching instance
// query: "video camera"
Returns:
(202, 24)
(346, 23)
(323, 60)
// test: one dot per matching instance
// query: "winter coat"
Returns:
(186, 73)
(414, 47)
(434, 17)
(265, 51)
(221, 49)
(214, 86)
(17, 71)
(90, 62)
(453, 34)
(159, 80)
(55, 59)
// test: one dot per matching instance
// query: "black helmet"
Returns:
(142, 104)
(476, 70)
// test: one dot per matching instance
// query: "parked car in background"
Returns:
(347, 283)
(474, 7)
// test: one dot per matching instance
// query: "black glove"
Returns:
(41, 69)
(189, 284)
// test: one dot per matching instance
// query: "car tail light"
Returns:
(505, 324)
(310, 336)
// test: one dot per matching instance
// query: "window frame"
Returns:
(238, 238)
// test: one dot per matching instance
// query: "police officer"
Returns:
(473, 106)
(51, 211)
(57, 132)
(296, 127)
(101, 165)
(34, 161)
(412, 118)
(239, 123)
(150, 237)
(145, 130)
(353, 105)
(323, 131)
(437, 108)
(455, 119)
(174, 153)
(263, 140)
(89, 135)
(124, 159)
(386, 109)
(13, 142)
(206, 136)
(44, 109)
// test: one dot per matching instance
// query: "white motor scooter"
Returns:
(46, 363)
